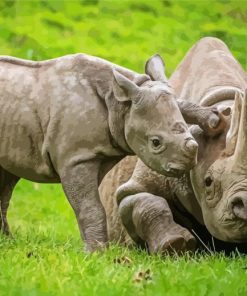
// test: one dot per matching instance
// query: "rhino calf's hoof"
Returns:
(4, 230)
(4, 227)
(98, 247)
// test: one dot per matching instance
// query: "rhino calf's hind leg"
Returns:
(148, 218)
(80, 183)
(7, 184)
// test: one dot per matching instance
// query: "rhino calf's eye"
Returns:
(156, 143)
(208, 181)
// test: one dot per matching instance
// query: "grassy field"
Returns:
(46, 256)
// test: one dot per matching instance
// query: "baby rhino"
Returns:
(71, 119)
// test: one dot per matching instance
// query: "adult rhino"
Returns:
(164, 212)
(71, 119)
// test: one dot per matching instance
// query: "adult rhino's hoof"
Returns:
(174, 244)
(191, 244)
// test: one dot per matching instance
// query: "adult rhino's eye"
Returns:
(208, 181)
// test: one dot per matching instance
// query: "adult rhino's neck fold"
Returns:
(116, 122)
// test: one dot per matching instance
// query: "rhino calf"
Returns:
(71, 119)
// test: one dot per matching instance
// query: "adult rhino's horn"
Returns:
(240, 154)
(232, 134)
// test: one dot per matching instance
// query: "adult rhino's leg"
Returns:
(80, 183)
(148, 218)
(7, 184)
(118, 175)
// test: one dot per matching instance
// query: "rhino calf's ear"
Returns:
(155, 68)
(123, 88)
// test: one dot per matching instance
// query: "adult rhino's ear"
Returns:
(155, 68)
(123, 88)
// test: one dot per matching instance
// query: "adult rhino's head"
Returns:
(220, 177)
(154, 127)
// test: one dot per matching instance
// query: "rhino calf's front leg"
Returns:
(148, 218)
(80, 183)
(7, 184)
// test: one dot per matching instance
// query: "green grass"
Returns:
(46, 256)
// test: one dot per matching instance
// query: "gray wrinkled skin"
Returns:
(71, 119)
(208, 75)
(219, 179)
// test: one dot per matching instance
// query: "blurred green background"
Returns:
(126, 32)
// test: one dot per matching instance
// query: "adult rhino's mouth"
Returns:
(228, 228)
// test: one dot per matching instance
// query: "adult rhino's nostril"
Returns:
(191, 145)
(239, 208)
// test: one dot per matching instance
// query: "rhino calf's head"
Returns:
(154, 127)
(220, 178)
